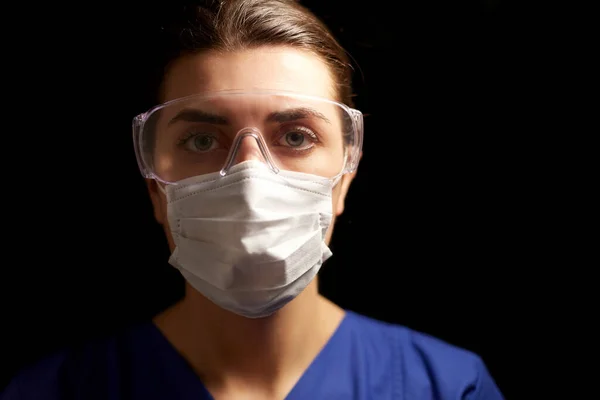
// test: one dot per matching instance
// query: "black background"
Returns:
(432, 236)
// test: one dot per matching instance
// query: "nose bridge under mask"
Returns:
(244, 135)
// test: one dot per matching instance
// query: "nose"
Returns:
(249, 144)
(247, 147)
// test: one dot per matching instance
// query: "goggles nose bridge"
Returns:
(237, 145)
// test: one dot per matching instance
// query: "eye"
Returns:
(200, 142)
(298, 138)
(294, 139)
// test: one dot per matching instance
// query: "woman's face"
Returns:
(264, 68)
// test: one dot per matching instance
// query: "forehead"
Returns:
(272, 68)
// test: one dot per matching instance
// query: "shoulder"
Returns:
(82, 370)
(44, 375)
(425, 366)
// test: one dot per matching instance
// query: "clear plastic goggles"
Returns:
(209, 133)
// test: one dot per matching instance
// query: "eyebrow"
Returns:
(193, 115)
(295, 114)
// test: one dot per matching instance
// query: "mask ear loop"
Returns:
(336, 179)
(161, 188)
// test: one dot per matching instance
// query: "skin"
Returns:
(236, 357)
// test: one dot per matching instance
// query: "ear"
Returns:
(158, 201)
(344, 185)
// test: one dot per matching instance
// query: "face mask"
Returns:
(252, 240)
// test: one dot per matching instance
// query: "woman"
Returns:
(248, 157)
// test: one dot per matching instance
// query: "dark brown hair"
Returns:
(232, 25)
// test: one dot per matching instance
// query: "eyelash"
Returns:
(313, 136)
(186, 136)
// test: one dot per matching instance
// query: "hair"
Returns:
(234, 25)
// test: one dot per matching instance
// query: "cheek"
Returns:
(159, 203)
(327, 238)
(165, 223)
(335, 199)
(169, 237)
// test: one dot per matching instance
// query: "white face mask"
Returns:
(252, 240)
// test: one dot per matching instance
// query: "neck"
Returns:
(223, 347)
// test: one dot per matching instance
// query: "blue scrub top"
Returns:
(364, 359)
